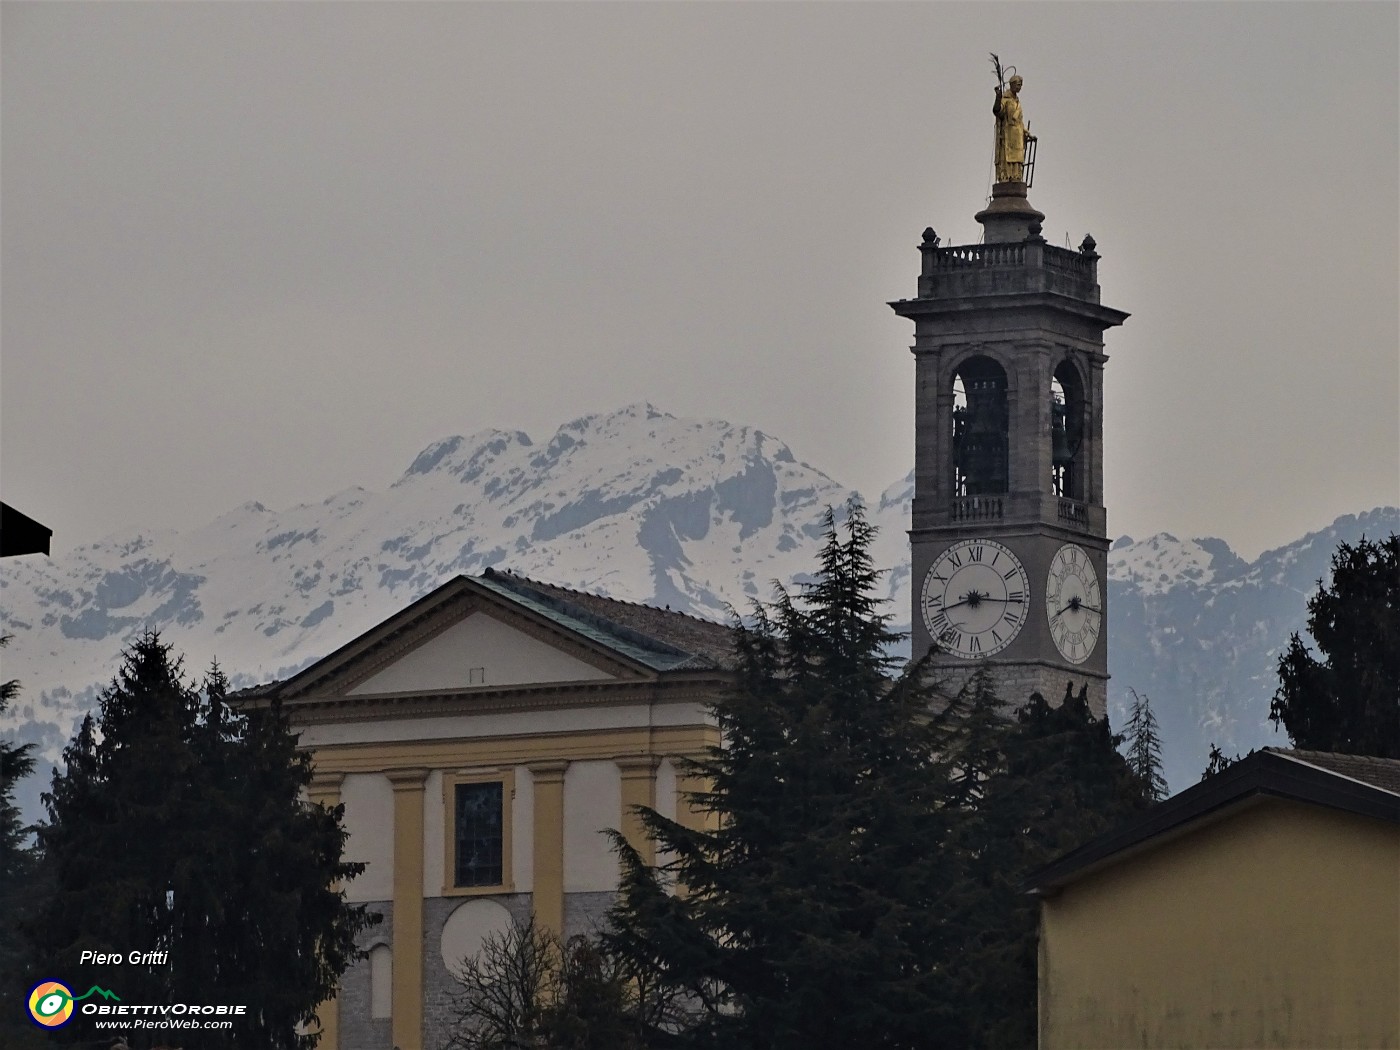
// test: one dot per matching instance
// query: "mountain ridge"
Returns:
(699, 515)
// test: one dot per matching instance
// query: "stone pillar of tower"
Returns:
(1009, 535)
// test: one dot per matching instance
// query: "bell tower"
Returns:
(1009, 535)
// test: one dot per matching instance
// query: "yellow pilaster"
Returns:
(638, 789)
(688, 814)
(549, 844)
(324, 790)
(407, 1024)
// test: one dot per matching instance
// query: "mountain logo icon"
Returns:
(51, 1002)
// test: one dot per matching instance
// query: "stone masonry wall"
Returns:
(358, 1031)
(1014, 683)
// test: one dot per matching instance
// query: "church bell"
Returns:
(1061, 452)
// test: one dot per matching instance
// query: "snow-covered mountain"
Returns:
(693, 514)
(698, 515)
(1200, 631)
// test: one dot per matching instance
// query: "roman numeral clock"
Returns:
(975, 597)
(1009, 532)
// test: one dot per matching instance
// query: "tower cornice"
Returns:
(1006, 305)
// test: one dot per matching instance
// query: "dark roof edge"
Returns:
(1329, 761)
(533, 584)
(521, 591)
(1262, 774)
(621, 632)
(329, 663)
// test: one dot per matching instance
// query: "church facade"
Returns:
(482, 740)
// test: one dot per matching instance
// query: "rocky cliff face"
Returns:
(698, 515)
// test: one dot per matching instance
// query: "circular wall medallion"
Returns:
(467, 928)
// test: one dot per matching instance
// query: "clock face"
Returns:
(1073, 603)
(975, 598)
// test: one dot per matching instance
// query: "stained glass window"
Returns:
(479, 834)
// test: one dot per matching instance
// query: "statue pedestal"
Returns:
(1008, 218)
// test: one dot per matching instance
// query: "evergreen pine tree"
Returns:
(971, 732)
(808, 913)
(177, 826)
(1062, 783)
(1144, 752)
(118, 817)
(1350, 700)
(18, 884)
(16, 763)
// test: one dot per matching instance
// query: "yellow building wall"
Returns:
(1276, 927)
(633, 754)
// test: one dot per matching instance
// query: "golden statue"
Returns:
(1013, 132)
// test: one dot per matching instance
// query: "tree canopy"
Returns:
(177, 826)
(16, 762)
(1057, 782)
(859, 883)
(1348, 701)
(17, 880)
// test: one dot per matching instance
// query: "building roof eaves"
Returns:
(566, 610)
(334, 660)
(1263, 775)
(665, 639)
(652, 653)
(1380, 773)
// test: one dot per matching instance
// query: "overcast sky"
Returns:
(269, 251)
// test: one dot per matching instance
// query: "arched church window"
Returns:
(381, 981)
(1066, 432)
(980, 422)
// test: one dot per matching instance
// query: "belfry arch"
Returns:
(980, 428)
(1067, 432)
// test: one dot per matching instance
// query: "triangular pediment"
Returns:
(479, 650)
(467, 635)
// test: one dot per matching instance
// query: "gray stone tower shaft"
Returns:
(1008, 348)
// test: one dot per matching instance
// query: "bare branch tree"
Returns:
(503, 990)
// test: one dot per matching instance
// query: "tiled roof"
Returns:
(656, 638)
(254, 692)
(660, 638)
(1383, 773)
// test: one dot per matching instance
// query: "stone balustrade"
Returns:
(995, 269)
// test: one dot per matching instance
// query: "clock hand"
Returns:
(970, 598)
(1078, 605)
(956, 623)
(976, 598)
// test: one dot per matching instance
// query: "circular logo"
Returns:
(50, 1004)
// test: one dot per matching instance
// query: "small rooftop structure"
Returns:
(21, 534)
